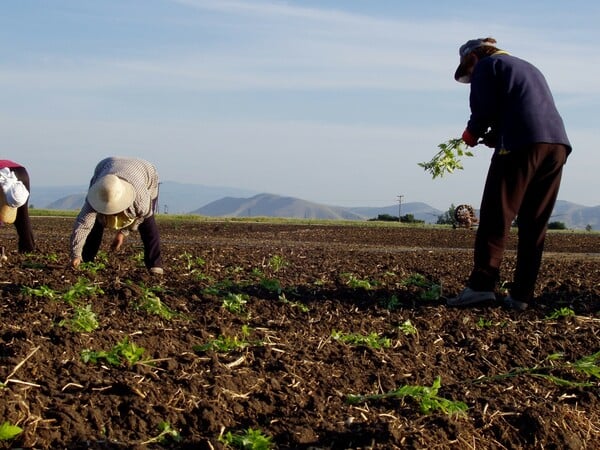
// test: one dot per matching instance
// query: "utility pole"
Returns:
(400, 207)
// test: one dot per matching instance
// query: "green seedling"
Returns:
(301, 306)
(39, 261)
(356, 283)
(190, 262)
(427, 398)
(276, 263)
(484, 323)
(123, 352)
(101, 257)
(42, 291)
(52, 257)
(9, 431)
(226, 344)
(587, 366)
(83, 288)
(271, 285)
(223, 344)
(372, 340)
(558, 313)
(429, 289)
(448, 159)
(92, 267)
(139, 259)
(408, 328)
(235, 270)
(151, 303)
(416, 279)
(234, 303)
(166, 434)
(219, 288)
(84, 320)
(390, 303)
(248, 440)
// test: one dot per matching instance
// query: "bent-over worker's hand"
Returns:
(75, 263)
(117, 241)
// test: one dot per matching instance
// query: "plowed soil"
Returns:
(319, 314)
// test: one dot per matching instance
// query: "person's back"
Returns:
(516, 92)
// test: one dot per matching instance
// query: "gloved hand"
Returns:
(469, 138)
(490, 139)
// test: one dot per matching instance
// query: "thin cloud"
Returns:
(286, 47)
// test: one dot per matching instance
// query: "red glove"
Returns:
(469, 139)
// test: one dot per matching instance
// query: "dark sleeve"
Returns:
(484, 97)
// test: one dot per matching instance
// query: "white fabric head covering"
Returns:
(110, 195)
(15, 192)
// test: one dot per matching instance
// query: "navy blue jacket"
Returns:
(511, 96)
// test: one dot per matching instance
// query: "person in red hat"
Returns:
(122, 196)
(14, 202)
(512, 111)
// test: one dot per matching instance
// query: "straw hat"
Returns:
(110, 195)
(8, 214)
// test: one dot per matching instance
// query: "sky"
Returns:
(330, 101)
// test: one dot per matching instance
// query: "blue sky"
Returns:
(330, 101)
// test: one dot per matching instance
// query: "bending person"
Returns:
(122, 196)
(14, 181)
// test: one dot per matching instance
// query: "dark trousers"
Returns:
(522, 184)
(23, 222)
(148, 232)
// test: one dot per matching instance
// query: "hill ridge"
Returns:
(214, 201)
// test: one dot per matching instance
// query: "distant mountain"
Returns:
(44, 196)
(69, 202)
(174, 197)
(576, 216)
(182, 198)
(269, 205)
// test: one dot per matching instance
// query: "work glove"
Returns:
(469, 138)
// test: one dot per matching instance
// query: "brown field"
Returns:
(323, 312)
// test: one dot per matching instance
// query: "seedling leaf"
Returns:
(9, 431)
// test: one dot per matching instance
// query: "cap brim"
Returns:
(461, 75)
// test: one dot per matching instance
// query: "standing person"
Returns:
(512, 111)
(122, 196)
(14, 181)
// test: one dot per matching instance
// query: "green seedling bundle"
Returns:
(448, 159)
